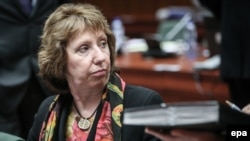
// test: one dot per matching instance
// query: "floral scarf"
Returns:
(50, 128)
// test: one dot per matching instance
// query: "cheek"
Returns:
(108, 56)
(76, 64)
(77, 71)
(108, 60)
(71, 63)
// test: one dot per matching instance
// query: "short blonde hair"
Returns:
(65, 22)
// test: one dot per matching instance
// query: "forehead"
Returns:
(88, 33)
(74, 26)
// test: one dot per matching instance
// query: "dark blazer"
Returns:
(235, 29)
(235, 49)
(134, 96)
(20, 89)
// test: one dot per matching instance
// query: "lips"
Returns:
(100, 72)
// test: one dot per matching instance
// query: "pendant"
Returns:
(84, 124)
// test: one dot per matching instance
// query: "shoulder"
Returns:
(138, 90)
(46, 103)
(140, 96)
(39, 118)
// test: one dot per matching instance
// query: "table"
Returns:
(176, 83)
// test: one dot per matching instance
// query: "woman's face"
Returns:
(88, 59)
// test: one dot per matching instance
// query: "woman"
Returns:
(76, 60)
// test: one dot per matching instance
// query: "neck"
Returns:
(87, 104)
(78, 112)
(86, 122)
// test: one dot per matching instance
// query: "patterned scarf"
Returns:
(50, 127)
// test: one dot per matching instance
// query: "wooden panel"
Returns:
(138, 15)
(135, 7)
(173, 86)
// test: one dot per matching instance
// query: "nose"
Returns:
(99, 56)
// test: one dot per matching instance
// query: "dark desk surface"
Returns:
(178, 85)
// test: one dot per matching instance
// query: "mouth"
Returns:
(100, 72)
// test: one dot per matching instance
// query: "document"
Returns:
(197, 115)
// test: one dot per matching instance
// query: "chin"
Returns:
(102, 82)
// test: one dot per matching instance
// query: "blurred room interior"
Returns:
(178, 72)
